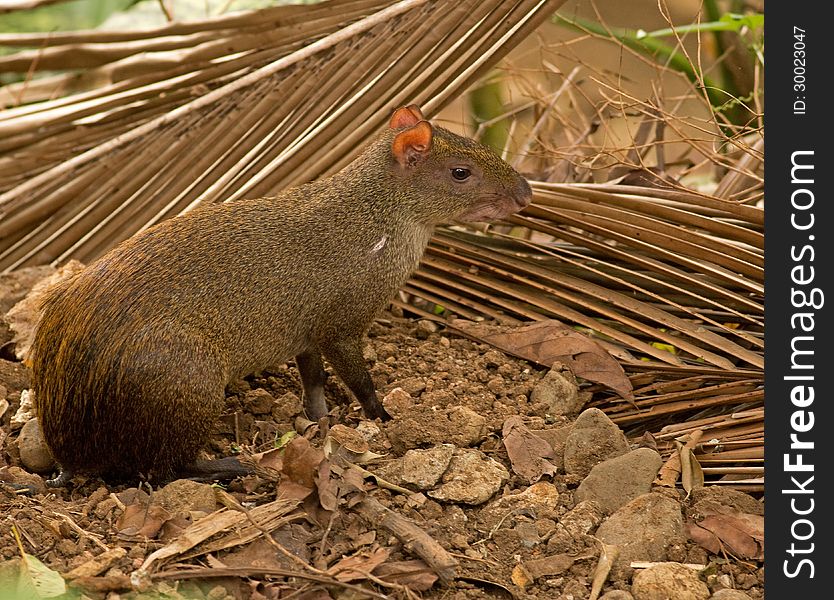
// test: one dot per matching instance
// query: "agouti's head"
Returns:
(465, 180)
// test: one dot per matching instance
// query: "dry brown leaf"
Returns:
(358, 566)
(528, 452)
(547, 342)
(692, 476)
(142, 520)
(413, 574)
(741, 534)
(300, 469)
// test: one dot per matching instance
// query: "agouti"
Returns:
(132, 355)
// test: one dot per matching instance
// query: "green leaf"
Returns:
(40, 579)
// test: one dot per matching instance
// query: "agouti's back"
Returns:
(132, 355)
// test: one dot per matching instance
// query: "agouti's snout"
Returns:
(132, 355)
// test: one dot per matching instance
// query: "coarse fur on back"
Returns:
(132, 355)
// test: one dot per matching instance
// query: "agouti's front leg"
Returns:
(312, 374)
(345, 355)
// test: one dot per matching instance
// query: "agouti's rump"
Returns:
(132, 355)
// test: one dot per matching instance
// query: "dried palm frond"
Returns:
(241, 105)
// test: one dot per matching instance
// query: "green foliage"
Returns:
(486, 102)
(724, 95)
(77, 14)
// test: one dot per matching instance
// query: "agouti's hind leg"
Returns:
(311, 369)
(346, 357)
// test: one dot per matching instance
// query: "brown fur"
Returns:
(132, 355)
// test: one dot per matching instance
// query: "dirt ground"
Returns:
(66, 528)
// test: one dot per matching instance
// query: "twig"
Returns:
(411, 536)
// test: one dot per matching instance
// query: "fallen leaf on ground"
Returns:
(547, 342)
(142, 520)
(528, 452)
(358, 566)
(414, 574)
(741, 534)
(300, 468)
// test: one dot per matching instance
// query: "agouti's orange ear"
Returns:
(412, 145)
(407, 116)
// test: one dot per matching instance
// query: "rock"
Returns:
(183, 496)
(18, 476)
(25, 410)
(398, 402)
(539, 501)
(717, 499)
(472, 478)
(413, 386)
(34, 454)
(423, 424)
(424, 329)
(258, 401)
(286, 408)
(730, 595)
(666, 581)
(419, 468)
(571, 532)
(642, 529)
(616, 595)
(582, 518)
(558, 390)
(615, 481)
(549, 565)
(593, 439)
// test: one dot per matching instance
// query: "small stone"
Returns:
(558, 390)
(593, 439)
(419, 468)
(25, 411)
(616, 595)
(413, 386)
(472, 478)
(34, 454)
(397, 401)
(18, 476)
(615, 481)
(184, 496)
(582, 518)
(540, 500)
(424, 424)
(258, 401)
(718, 499)
(668, 580)
(528, 535)
(642, 529)
(425, 328)
(285, 408)
(549, 565)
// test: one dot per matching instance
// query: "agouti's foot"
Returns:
(61, 480)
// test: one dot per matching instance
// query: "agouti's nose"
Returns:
(522, 195)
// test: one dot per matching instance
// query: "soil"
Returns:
(65, 528)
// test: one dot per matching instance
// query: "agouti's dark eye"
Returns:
(460, 174)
